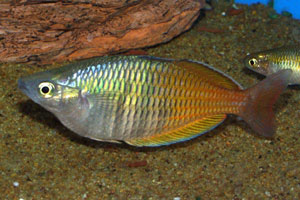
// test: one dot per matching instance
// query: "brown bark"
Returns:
(46, 31)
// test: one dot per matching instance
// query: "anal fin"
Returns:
(181, 134)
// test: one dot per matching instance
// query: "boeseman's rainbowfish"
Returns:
(148, 101)
(273, 60)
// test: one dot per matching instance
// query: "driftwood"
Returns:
(46, 31)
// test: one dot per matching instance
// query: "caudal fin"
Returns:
(258, 112)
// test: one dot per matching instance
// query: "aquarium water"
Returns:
(291, 6)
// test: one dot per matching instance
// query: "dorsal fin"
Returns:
(210, 74)
(180, 134)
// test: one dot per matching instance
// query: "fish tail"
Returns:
(258, 111)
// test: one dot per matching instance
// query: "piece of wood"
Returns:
(46, 31)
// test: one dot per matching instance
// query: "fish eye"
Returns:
(253, 62)
(46, 89)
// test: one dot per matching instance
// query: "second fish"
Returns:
(273, 60)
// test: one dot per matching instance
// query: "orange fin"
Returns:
(210, 74)
(184, 133)
(258, 112)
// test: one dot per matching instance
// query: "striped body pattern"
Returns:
(271, 61)
(142, 100)
(287, 58)
(144, 96)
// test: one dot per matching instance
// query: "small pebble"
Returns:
(233, 12)
(16, 184)
(176, 198)
(84, 196)
(235, 6)
(141, 163)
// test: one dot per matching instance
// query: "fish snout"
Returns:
(23, 86)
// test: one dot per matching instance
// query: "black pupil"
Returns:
(251, 62)
(45, 90)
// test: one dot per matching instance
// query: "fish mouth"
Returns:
(22, 86)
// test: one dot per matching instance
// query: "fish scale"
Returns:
(283, 61)
(181, 112)
(148, 101)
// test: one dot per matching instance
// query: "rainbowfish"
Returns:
(148, 101)
(273, 60)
